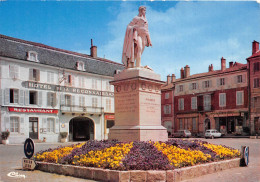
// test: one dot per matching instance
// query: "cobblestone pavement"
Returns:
(11, 161)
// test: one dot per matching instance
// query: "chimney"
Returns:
(93, 50)
(169, 78)
(223, 64)
(186, 71)
(173, 78)
(210, 68)
(231, 64)
(182, 73)
(255, 47)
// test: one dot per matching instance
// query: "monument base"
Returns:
(138, 133)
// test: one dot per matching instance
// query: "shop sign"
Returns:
(110, 117)
(33, 110)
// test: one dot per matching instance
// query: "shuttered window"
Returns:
(50, 125)
(194, 103)
(14, 96)
(50, 77)
(222, 99)
(240, 97)
(51, 99)
(207, 102)
(181, 104)
(13, 71)
(14, 124)
(167, 109)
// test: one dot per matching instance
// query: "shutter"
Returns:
(30, 74)
(48, 77)
(7, 123)
(164, 109)
(38, 75)
(48, 99)
(44, 125)
(203, 84)
(170, 109)
(26, 97)
(21, 125)
(62, 99)
(83, 101)
(235, 79)
(57, 124)
(1, 97)
(190, 86)
(55, 100)
(80, 101)
(197, 86)
(39, 98)
(72, 80)
(72, 100)
(210, 83)
(83, 82)
(21, 97)
(218, 81)
(16, 71)
(7, 96)
(244, 78)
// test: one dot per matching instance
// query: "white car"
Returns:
(212, 134)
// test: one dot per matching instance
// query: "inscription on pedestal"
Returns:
(126, 103)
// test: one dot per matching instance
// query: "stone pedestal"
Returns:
(137, 106)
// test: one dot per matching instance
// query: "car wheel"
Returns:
(212, 137)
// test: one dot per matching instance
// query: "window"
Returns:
(67, 100)
(206, 84)
(181, 124)
(13, 71)
(239, 97)
(167, 109)
(32, 97)
(193, 86)
(80, 66)
(34, 75)
(108, 86)
(50, 125)
(222, 99)
(239, 79)
(32, 56)
(256, 66)
(14, 96)
(108, 105)
(256, 83)
(94, 102)
(82, 101)
(222, 81)
(51, 99)
(94, 84)
(69, 79)
(181, 104)
(181, 88)
(14, 124)
(50, 77)
(194, 103)
(81, 82)
(194, 124)
(207, 102)
(167, 95)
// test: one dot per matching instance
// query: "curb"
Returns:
(138, 175)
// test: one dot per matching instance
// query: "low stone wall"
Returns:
(138, 175)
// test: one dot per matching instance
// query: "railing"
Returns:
(81, 109)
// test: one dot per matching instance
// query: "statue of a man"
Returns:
(136, 38)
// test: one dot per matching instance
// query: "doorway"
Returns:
(81, 129)
(33, 127)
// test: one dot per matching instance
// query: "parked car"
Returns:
(182, 133)
(212, 133)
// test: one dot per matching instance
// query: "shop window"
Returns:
(14, 124)
(32, 97)
(110, 123)
(50, 125)
(14, 96)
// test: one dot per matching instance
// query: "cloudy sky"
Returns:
(182, 32)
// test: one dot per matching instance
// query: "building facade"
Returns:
(217, 99)
(254, 88)
(46, 90)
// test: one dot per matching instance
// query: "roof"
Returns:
(17, 48)
(255, 54)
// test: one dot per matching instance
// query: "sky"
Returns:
(194, 33)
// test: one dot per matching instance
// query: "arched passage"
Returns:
(81, 129)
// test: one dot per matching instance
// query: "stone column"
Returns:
(137, 106)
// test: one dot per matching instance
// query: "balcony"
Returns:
(207, 108)
(81, 109)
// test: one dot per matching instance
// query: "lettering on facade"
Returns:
(58, 88)
(32, 110)
(126, 103)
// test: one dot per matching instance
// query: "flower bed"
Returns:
(117, 155)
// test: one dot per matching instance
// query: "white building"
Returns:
(46, 90)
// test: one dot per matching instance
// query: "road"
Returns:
(11, 161)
